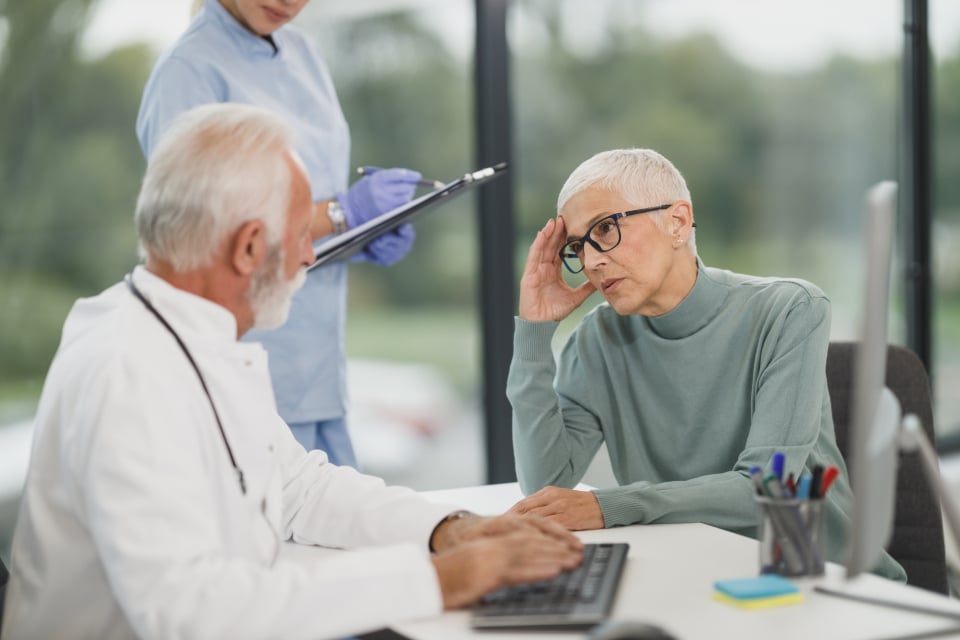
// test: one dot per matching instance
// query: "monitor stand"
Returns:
(913, 439)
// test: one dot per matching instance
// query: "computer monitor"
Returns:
(878, 432)
(875, 413)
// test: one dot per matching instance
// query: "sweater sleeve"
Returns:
(787, 409)
(551, 447)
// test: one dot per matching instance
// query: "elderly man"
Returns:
(691, 375)
(163, 482)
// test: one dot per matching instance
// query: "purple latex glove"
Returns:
(389, 247)
(378, 193)
(373, 195)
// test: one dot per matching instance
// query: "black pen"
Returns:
(434, 184)
(816, 482)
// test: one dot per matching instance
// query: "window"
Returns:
(778, 119)
(404, 79)
(945, 74)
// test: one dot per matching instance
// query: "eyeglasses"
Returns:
(603, 235)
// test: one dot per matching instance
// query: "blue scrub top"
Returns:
(218, 60)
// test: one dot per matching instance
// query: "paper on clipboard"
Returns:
(346, 244)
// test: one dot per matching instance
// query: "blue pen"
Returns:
(367, 170)
(803, 487)
(776, 465)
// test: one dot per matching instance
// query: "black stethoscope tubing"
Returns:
(223, 435)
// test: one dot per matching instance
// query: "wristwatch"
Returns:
(456, 515)
(336, 215)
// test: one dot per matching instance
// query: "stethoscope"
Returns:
(136, 292)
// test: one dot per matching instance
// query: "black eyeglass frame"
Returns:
(565, 253)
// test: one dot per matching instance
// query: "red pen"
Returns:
(829, 475)
(791, 484)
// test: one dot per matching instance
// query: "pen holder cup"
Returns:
(791, 536)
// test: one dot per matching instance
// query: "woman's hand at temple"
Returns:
(544, 295)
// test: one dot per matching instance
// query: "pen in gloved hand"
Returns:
(434, 184)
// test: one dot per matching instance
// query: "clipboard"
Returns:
(346, 244)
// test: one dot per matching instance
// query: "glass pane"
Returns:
(71, 77)
(945, 44)
(779, 116)
(404, 78)
(778, 124)
(69, 174)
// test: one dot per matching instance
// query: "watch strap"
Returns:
(456, 515)
(337, 217)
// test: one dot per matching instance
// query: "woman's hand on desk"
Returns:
(575, 510)
(470, 570)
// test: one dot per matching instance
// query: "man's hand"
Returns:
(544, 295)
(575, 510)
(451, 533)
(468, 571)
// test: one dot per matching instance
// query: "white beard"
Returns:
(271, 293)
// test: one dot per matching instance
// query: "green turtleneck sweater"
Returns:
(686, 402)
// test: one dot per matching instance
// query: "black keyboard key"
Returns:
(574, 599)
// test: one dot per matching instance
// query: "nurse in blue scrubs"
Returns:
(245, 51)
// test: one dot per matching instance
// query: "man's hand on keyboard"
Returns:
(575, 510)
(473, 527)
(469, 570)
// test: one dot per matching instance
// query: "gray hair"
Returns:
(642, 177)
(217, 167)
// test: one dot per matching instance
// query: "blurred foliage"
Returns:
(407, 102)
(31, 315)
(69, 173)
(946, 134)
(776, 162)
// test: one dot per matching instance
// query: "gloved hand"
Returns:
(378, 193)
(374, 195)
(389, 247)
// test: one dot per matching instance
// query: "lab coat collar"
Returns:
(185, 310)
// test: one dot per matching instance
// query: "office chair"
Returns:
(917, 540)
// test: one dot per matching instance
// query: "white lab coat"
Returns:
(132, 522)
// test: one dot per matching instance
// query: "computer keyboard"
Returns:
(575, 599)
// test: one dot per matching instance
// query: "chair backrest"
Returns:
(917, 541)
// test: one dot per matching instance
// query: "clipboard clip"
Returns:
(478, 175)
(483, 174)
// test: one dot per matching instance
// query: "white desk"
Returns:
(669, 579)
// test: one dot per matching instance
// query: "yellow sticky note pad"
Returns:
(759, 603)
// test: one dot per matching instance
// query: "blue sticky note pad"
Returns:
(765, 586)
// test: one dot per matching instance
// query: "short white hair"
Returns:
(642, 177)
(215, 168)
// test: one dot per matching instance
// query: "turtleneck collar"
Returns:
(696, 310)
